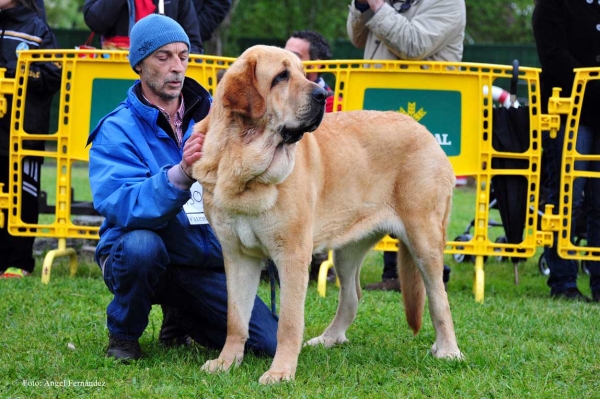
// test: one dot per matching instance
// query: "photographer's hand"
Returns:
(375, 5)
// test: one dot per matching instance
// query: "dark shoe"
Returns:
(571, 294)
(123, 350)
(172, 332)
(596, 296)
(388, 284)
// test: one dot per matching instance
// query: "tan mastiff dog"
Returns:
(271, 191)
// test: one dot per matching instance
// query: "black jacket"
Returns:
(22, 28)
(112, 18)
(567, 34)
(210, 15)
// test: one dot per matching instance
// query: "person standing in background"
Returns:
(113, 19)
(431, 30)
(565, 35)
(24, 29)
(210, 15)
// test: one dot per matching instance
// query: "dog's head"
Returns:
(262, 107)
(268, 85)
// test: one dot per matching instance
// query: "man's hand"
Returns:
(374, 4)
(192, 151)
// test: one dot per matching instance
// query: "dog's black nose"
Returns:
(320, 95)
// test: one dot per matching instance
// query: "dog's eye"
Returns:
(280, 78)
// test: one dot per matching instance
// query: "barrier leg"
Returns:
(62, 250)
(479, 279)
(323, 269)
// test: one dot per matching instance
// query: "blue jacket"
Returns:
(132, 149)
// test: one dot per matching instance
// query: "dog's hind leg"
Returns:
(347, 262)
(426, 258)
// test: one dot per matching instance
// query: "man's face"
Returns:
(6, 4)
(301, 48)
(162, 73)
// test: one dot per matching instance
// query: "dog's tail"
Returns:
(413, 288)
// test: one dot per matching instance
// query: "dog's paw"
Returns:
(214, 366)
(273, 377)
(455, 353)
(219, 365)
(326, 342)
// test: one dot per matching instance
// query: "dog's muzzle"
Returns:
(318, 98)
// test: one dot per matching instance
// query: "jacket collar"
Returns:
(17, 14)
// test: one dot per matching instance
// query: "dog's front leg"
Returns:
(293, 275)
(243, 275)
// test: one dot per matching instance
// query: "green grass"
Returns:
(517, 343)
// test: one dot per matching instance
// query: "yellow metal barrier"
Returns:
(322, 278)
(448, 98)
(562, 223)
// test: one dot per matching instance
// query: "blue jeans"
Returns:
(563, 272)
(138, 273)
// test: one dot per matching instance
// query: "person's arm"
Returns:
(44, 77)
(125, 191)
(210, 15)
(101, 15)
(424, 35)
(356, 24)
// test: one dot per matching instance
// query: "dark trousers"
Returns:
(17, 251)
(139, 274)
(563, 272)
(390, 270)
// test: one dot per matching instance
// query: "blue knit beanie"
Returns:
(151, 33)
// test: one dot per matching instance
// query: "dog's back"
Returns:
(372, 163)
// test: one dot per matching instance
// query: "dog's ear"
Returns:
(241, 91)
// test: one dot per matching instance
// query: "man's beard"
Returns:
(157, 87)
